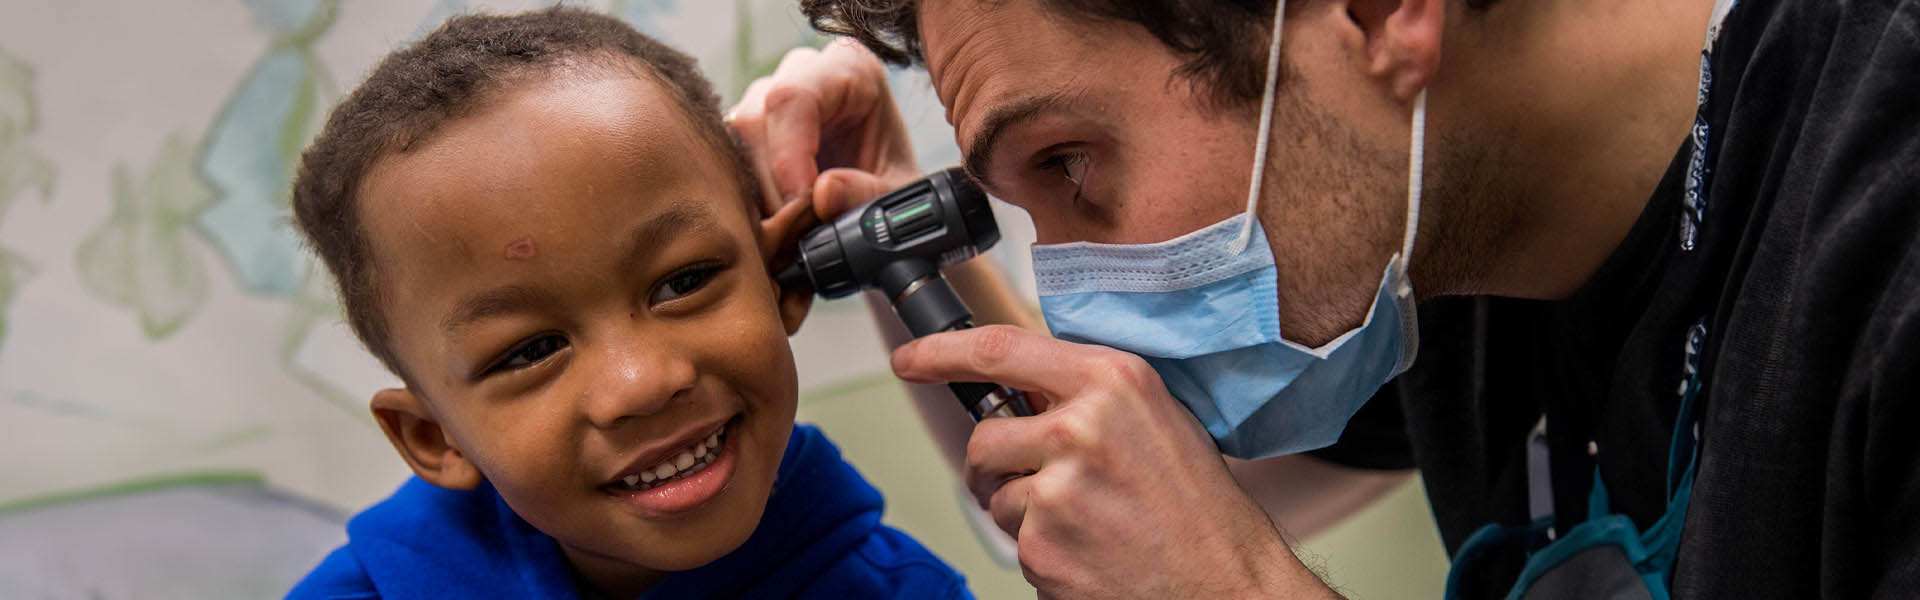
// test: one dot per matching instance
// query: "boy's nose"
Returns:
(636, 382)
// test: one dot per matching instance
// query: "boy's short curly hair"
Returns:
(447, 75)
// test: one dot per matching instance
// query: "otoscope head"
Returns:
(939, 220)
(897, 244)
(794, 277)
(976, 214)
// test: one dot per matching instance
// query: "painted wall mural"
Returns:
(139, 259)
(22, 170)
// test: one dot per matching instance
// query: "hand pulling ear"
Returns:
(779, 234)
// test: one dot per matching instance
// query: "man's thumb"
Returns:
(841, 189)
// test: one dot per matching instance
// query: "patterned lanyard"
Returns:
(1695, 202)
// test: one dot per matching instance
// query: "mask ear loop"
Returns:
(1266, 129)
(1416, 161)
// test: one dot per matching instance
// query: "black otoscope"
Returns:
(897, 244)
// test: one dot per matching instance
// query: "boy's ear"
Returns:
(779, 240)
(421, 441)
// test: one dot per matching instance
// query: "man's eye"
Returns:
(682, 283)
(1070, 165)
(530, 352)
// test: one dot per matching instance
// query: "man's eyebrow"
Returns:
(998, 120)
(490, 303)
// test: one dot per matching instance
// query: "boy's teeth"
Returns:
(687, 462)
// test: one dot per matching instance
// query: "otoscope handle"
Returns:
(928, 305)
(985, 400)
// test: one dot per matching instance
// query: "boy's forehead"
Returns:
(562, 135)
(561, 122)
(540, 171)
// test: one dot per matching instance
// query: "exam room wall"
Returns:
(181, 408)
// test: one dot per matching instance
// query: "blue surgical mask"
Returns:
(1203, 310)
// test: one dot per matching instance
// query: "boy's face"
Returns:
(573, 283)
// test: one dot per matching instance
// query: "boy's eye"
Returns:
(682, 283)
(530, 352)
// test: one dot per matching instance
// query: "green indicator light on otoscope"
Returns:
(913, 211)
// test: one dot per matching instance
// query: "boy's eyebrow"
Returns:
(680, 218)
(485, 304)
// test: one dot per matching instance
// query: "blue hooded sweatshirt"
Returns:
(820, 537)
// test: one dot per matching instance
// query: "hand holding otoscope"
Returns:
(897, 244)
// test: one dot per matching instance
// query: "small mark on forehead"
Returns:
(521, 249)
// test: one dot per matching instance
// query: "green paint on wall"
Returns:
(133, 486)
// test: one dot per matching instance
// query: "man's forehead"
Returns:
(947, 27)
(983, 54)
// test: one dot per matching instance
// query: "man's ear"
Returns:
(1402, 41)
(779, 241)
(417, 435)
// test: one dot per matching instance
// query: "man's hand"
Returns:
(1114, 491)
(824, 127)
(824, 118)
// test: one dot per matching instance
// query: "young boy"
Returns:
(541, 225)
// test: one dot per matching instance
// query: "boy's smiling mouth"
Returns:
(687, 461)
(679, 478)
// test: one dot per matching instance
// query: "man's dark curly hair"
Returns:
(452, 73)
(1223, 40)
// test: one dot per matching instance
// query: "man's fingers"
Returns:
(748, 120)
(817, 109)
(793, 122)
(800, 104)
(752, 100)
(817, 98)
(1001, 450)
(1008, 505)
(839, 190)
(783, 229)
(1023, 359)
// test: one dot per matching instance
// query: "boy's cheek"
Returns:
(525, 457)
(752, 341)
